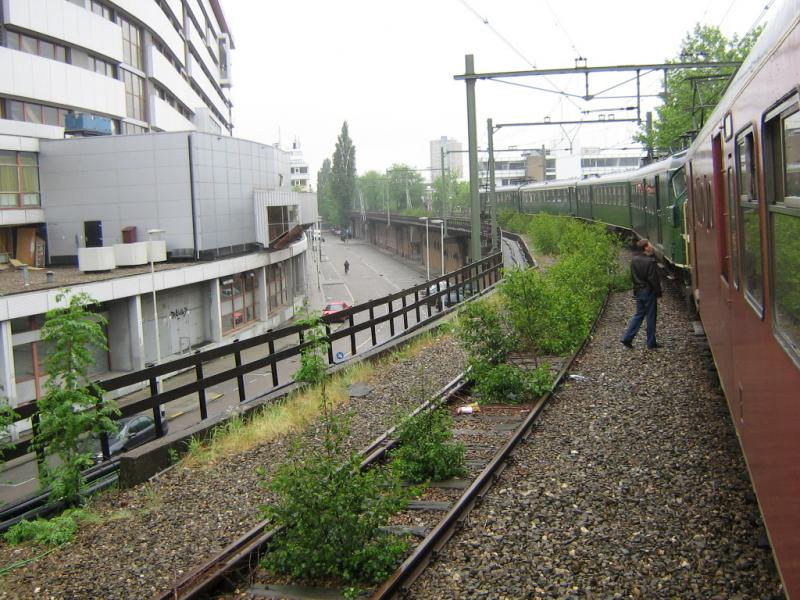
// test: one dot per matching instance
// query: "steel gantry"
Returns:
(470, 77)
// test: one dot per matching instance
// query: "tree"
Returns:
(327, 208)
(406, 187)
(691, 94)
(343, 176)
(449, 193)
(373, 186)
(70, 407)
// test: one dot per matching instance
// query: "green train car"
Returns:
(650, 202)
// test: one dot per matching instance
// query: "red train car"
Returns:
(744, 243)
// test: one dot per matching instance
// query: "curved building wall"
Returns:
(147, 66)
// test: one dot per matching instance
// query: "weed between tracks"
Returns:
(294, 413)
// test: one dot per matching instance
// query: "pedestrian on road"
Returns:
(646, 290)
(346, 267)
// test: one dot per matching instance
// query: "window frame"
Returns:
(775, 202)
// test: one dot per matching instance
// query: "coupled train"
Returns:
(726, 214)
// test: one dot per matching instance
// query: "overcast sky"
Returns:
(301, 68)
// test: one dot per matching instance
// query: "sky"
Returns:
(300, 68)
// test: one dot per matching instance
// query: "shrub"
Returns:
(332, 514)
(510, 384)
(483, 332)
(54, 532)
(331, 510)
(546, 231)
(426, 450)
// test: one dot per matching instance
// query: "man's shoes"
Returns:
(627, 343)
(657, 345)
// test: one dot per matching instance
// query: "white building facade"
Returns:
(453, 158)
(115, 121)
(301, 178)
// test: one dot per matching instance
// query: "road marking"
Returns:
(17, 484)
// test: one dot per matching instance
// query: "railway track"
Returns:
(490, 436)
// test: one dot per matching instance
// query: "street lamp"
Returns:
(440, 223)
(150, 252)
(427, 248)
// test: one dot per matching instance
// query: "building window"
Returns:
(19, 179)
(101, 9)
(276, 284)
(132, 129)
(131, 43)
(98, 65)
(134, 95)
(32, 45)
(33, 113)
(238, 300)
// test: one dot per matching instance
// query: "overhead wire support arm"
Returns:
(617, 68)
(547, 122)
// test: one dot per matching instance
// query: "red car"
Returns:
(332, 310)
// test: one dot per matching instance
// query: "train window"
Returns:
(753, 276)
(782, 158)
(707, 208)
(679, 183)
(695, 200)
(791, 160)
(733, 242)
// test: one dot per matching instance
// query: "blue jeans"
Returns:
(646, 306)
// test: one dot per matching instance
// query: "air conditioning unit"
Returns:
(96, 259)
(127, 255)
(87, 125)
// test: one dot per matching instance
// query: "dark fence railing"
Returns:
(458, 285)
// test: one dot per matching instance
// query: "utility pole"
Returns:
(492, 195)
(474, 184)
(445, 199)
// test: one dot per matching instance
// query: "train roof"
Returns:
(551, 184)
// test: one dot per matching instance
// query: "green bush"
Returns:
(483, 331)
(332, 514)
(56, 531)
(426, 451)
(510, 384)
(545, 232)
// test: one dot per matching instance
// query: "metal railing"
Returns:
(472, 279)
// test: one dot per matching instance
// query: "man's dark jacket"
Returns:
(645, 274)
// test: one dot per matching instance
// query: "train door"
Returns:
(720, 225)
(651, 209)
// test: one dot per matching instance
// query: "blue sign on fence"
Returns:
(340, 356)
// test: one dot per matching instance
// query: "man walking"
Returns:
(646, 290)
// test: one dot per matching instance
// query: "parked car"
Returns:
(332, 310)
(133, 431)
(451, 296)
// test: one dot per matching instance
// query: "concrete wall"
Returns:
(226, 173)
(147, 181)
(132, 180)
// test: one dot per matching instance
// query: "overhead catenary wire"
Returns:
(727, 12)
(758, 19)
(485, 21)
(530, 63)
(566, 33)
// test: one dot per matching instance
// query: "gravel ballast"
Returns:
(631, 485)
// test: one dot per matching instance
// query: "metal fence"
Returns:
(423, 298)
